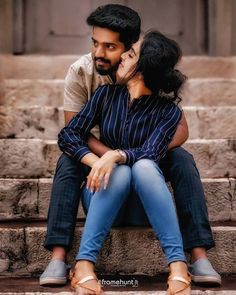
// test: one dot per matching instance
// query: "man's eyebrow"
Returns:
(107, 43)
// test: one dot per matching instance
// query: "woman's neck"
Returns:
(137, 88)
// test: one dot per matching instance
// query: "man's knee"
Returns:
(66, 164)
(181, 162)
(179, 155)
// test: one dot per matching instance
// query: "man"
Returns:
(114, 29)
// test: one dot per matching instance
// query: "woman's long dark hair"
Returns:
(158, 58)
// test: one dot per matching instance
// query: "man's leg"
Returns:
(179, 167)
(63, 208)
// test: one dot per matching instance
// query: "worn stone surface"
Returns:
(220, 198)
(34, 122)
(46, 122)
(209, 92)
(37, 256)
(29, 92)
(205, 66)
(48, 67)
(35, 66)
(18, 198)
(223, 256)
(29, 199)
(214, 158)
(194, 292)
(233, 198)
(22, 158)
(32, 157)
(118, 255)
(42, 92)
(211, 122)
(13, 249)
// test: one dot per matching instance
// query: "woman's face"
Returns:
(128, 63)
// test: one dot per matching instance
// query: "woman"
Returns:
(137, 122)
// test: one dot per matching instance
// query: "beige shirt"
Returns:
(81, 81)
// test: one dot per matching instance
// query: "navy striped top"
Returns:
(142, 129)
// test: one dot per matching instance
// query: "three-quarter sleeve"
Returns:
(72, 138)
(155, 146)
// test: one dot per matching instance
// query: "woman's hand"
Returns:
(101, 170)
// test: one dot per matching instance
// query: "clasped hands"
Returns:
(101, 171)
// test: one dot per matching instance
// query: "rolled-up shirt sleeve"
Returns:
(72, 138)
(155, 146)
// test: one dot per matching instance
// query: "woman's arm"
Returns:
(157, 143)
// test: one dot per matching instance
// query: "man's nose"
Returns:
(100, 52)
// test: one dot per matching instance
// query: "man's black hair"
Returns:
(117, 18)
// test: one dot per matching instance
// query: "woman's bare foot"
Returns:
(179, 281)
(84, 280)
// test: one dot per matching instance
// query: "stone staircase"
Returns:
(31, 94)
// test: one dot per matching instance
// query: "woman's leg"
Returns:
(103, 209)
(149, 183)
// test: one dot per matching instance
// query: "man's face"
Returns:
(106, 50)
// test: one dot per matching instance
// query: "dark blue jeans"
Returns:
(178, 167)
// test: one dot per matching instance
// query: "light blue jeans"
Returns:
(147, 181)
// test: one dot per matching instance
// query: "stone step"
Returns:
(28, 199)
(42, 92)
(118, 285)
(22, 252)
(56, 66)
(46, 122)
(30, 158)
(194, 292)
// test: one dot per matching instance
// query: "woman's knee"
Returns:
(121, 176)
(144, 167)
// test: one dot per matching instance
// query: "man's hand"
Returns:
(101, 170)
(181, 134)
(68, 116)
(96, 146)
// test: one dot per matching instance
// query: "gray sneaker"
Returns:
(203, 272)
(54, 274)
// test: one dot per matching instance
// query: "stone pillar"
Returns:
(18, 27)
(220, 27)
(6, 25)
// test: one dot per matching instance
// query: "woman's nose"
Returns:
(123, 56)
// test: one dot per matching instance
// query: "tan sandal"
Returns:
(75, 283)
(172, 289)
